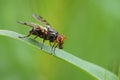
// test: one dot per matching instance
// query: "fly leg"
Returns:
(55, 48)
(35, 37)
(43, 44)
(25, 36)
(50, 43)
(44, 38)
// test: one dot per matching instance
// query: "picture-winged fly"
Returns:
(47, 32)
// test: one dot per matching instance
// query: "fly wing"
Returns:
(29, 24)
(40, 18)
(48, 26)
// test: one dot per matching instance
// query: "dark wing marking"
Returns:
(27, 23)
(40, 18)
(48, 26)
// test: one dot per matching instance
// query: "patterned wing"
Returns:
(40, 18)
(48, 26)
(28, 23)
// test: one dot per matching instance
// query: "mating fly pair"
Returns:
(47, 32)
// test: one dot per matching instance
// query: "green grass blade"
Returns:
(94, 70)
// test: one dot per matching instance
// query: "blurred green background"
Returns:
(92, 28)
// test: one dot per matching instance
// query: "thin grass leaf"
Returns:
(94, 70)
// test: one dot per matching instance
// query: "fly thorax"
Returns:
(52, 37)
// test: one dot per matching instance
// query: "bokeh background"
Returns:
(92, 28)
